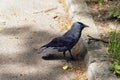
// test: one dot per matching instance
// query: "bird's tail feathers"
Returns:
(44, 50)
(43, 46)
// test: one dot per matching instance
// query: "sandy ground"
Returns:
(25, 25)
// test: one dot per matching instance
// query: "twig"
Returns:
(90, 39)
(50, 9)
(47, 10)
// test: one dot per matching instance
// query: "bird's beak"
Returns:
(85, 25)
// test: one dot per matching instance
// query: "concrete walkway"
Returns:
(25, 25)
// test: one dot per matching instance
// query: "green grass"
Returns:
(114, 50)
(114, 46)
(114, 10)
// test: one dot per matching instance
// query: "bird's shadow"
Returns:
(52, 57)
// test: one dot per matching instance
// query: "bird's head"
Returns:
(82, 25)
(79, 25)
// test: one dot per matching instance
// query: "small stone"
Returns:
(21, 74)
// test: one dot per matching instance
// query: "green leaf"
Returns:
(111, 13)
(101, 1)
(117, 67)
(116, 71)
(118, 17)
(118, 79)
(111, 67)
(116, 14)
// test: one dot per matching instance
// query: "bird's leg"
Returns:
(64, 54)
(71, 54)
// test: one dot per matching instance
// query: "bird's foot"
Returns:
(73, 59)
(70, 59)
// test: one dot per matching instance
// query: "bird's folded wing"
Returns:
(45, 50)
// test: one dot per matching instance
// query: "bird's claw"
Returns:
(73, 59)
(70, 59)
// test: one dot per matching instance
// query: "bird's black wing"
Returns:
(56, 42)
(72, 36)
(61, 42)
(65, 42)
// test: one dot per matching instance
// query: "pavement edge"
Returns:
(96, 59)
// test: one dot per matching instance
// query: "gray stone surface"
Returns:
(96, 60)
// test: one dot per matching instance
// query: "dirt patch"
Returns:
(100, 14)
(63, 19)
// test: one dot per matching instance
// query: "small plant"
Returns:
(101, 1)
(115, 68)
(114, 10)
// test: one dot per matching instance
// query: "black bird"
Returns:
(66, 41)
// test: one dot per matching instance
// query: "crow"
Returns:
(65, 42)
